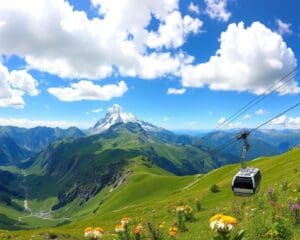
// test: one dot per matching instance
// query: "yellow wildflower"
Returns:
(93, 233)
(120, 228)
(161, 225)
(88, 229)
(188, 209)
(216, 217)
(173, 231)
(180, 209)
(125, 221)
(222, 223)
(88, 232)
(229, 220)
(138, 229)
(99, 229)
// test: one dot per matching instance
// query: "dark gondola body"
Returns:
(246, 182)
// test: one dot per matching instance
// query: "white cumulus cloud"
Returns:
(29, 123)
(247, 116)
(260, 112)
(216, 9)
(280, 120)
(293, 122)
(176, 91)
(20, 79)
(249, 59)
(53, 37)
(283, 28)
(235, 125)
(172, 33)
(14, 85)
(194, 8)
(286, 122)
(221, 120)
(97, 110)
(87, 90)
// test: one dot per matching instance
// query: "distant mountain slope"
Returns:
(10, 152)
(86, 165)
(258, 147)
(281, 139)
(36, 139)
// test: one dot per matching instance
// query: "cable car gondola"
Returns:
(247, 181)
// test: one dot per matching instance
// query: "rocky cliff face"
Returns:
(86, 190)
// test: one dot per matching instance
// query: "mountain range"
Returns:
(57, 172)
(20, 143)
(86, 165)
(278, 140)
(80, 164)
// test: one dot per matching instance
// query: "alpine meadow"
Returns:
(149, 120)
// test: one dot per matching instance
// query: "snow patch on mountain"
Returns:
(116, 115)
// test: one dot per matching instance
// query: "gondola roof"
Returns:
(247, 172)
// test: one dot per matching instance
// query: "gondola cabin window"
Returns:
(242, 182)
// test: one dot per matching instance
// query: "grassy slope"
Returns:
(93, 154)
(151, 194)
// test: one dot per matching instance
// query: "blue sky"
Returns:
(180, 65)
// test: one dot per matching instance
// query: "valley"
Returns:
(139, 193)
(126, 170)
(149, 120)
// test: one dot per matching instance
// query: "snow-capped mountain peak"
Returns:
(115, 115)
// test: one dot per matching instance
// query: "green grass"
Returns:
(151, 194)
(12, 169)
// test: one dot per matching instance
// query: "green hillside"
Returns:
(148, 193)
(78, 169)
(10, 152)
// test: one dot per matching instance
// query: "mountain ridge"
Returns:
(18, 144)
(116, 115)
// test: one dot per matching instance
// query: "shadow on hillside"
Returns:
(16, 206)
(7, 223)
(41, 187)
(88, 174)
